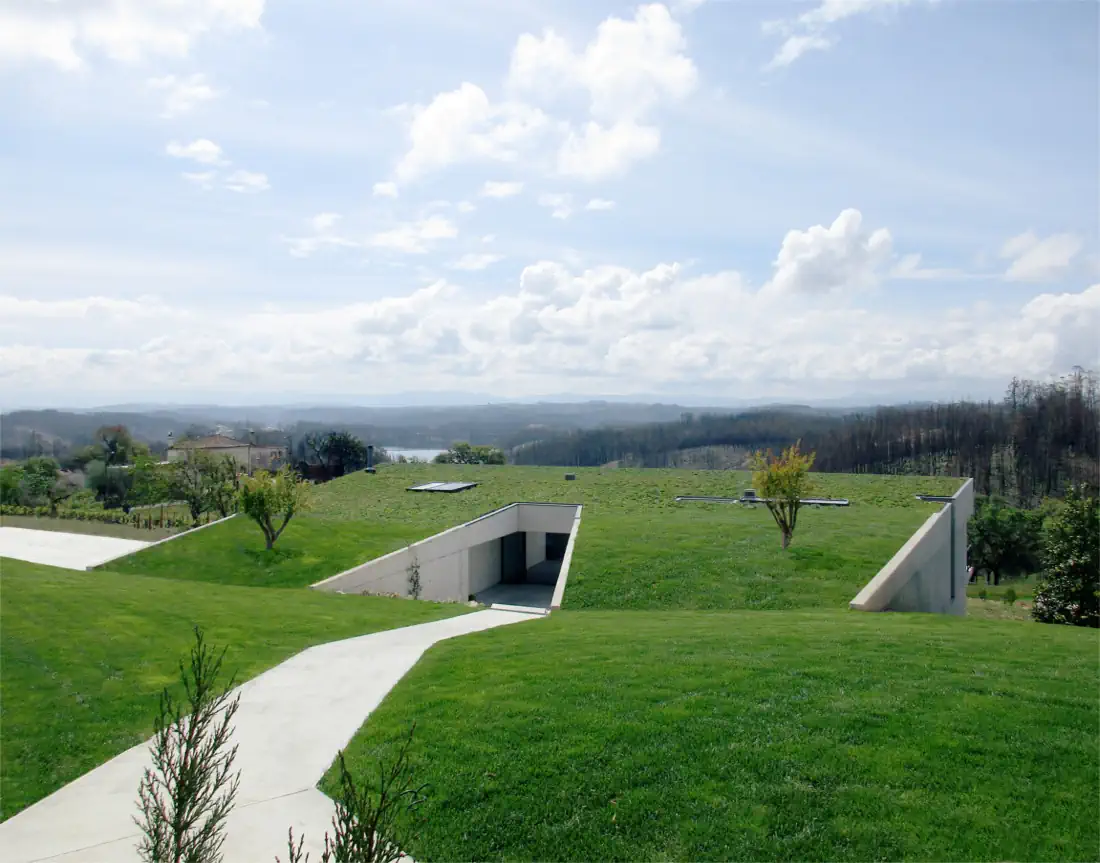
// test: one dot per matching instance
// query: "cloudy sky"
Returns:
(278, 200)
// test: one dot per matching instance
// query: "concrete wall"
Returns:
(929, 572)
(546, 517)
(567, 559)
(484, 566)
(536, 547)
(455, 563)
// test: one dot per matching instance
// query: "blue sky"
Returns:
(240, 200)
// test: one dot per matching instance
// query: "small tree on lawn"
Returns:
(268, 497)
(1070, 589)
(186, 796)
(783, 481)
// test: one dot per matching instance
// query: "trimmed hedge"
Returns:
(147, 519)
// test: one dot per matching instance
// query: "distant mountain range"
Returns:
(502, 423)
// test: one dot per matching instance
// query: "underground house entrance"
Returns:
(530, 565)
(515, 557)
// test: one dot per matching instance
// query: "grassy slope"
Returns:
(85, 654)
(802, 735)
(637, 548)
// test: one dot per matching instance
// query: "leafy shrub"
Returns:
(1009, 597)
(1070, 590)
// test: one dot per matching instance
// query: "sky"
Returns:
(275, 201)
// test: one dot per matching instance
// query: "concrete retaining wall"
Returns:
(458, 562)
(929, 572)
(567, 559)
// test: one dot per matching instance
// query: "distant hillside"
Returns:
(1040, 438)
(27, 432)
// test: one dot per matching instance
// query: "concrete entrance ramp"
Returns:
(507, 547)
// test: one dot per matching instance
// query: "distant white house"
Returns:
(249, 456)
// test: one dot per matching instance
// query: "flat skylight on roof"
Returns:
(442, 486)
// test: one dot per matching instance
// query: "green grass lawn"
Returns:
(1024, 587)
(83, 657)
(93, 528)
(995, 609)
(637, 547)
(757, 736)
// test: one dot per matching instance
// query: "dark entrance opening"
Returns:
(555, 545)
(513, 558)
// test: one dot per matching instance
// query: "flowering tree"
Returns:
(782, 481)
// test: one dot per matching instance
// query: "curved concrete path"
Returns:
(292, 721)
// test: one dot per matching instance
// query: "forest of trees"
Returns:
(1039, 439)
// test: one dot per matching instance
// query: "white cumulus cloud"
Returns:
(384, 190)
(463, 125)
(629, 69)
(821, 260)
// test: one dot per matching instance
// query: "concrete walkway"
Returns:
(292, 721)
(66, 550)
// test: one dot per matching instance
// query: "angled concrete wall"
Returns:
(929, 572)
(458, 562)
(566, 561)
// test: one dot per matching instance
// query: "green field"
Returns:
(84, 656)
(704, 695)
(752, 736)
(637, 548)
